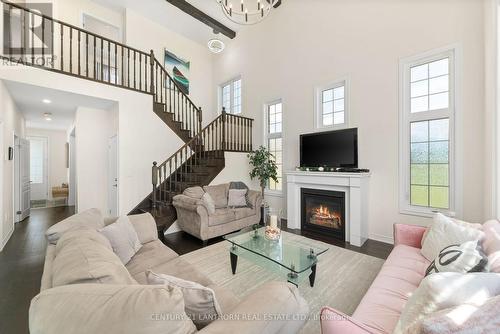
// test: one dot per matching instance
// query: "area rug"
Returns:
(342, 276)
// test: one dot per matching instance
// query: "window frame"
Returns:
(230, 83)
(267, 136)
(453, 53)
(318, 104)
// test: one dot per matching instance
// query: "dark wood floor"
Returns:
(21, 262)
(183, 243)
(21, 267)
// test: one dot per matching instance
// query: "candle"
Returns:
(274, 221)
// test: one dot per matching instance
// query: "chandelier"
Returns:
(240, 12)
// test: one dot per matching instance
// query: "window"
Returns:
(274, 140)
(427, 143)
(37, 157)
(331, 106)
(231, 96)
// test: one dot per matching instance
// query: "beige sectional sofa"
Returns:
(86, 288)
(194, 217)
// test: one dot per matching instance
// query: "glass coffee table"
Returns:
(288, 256)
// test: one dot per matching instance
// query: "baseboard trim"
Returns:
(381, 238)
(7, 238)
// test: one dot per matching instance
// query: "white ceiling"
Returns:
(28, 99)
(174, 19)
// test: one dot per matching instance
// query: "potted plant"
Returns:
(264, 167)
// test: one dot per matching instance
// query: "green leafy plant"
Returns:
(264, 167)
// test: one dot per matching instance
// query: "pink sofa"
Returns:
(381, 307)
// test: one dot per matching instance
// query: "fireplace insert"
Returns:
(323, 212)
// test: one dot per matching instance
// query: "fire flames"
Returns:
(322, 215)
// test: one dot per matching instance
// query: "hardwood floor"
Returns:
(21, 267)
(21, 262)
(183, 243)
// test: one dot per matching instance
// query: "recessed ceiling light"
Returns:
(216, 45)
(47, 116)
(47, 101)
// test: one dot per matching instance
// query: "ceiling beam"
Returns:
(189, 9)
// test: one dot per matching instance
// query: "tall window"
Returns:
(37, 158)
(331, 106)
(427, 133)
(231, 96)
(274, 138)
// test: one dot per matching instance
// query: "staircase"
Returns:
(82, 54)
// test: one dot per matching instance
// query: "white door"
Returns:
(39, 168)
(24, 179)
(113, 176)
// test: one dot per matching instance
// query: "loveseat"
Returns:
(196, 218)
(404, 270)
(86, 289)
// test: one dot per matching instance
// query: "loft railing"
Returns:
(41, 41)
(225, 133)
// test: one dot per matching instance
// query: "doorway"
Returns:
(72, 198)
(113, 176)
(39, 163)
(22, 179)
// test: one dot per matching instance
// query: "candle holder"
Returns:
(273, 224)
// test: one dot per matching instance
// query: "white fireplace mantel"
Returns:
(355, 187)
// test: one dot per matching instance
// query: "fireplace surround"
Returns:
(323, 212)
(355, 186)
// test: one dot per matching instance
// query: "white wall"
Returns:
(12, 122)
(310, 43)
(58, 173)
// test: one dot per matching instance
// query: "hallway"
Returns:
(21, 267)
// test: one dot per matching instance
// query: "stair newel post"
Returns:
(224, 128)
(199, 119)
(152, 63)
(155, 181)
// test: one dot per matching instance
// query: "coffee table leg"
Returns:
(312, 276)
(234, 262)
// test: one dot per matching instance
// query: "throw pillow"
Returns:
(491, 244)
(209, 203)
(109, 309)
(123, 238)
(456, 221)
(85, 260)
(145, 226)
(444, 290)
(444, 232)
(194, 192)
(219, 194)
(237, 198)
(465, 258)
(242, 185)
(200, 302)
(91, 218)
(463, 319)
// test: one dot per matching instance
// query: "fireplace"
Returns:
(323, 212)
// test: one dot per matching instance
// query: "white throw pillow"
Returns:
(237, 198)
(465, 258)
(209, 203)
(444, 290)
(443, 233)
(123, 238)
(200, 303)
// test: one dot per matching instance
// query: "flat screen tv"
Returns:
(330, 149)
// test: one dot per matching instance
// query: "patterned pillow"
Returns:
(465, 258)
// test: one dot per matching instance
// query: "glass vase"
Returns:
(273, 224)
